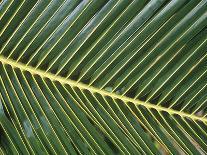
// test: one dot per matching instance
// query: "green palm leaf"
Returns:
(103, 77)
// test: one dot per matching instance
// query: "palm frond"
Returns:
(103, 77)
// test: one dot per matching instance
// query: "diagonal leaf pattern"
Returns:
(103, 77)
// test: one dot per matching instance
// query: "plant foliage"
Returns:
(103, 77)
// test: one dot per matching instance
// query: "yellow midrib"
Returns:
(62, 80)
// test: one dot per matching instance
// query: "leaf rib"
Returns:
(62, 80)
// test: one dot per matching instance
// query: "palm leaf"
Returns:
(103, 77)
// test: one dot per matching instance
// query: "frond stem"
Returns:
(126, 99)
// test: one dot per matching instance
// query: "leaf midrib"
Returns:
(70, 82)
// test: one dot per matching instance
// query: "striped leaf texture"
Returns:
(103, 77)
